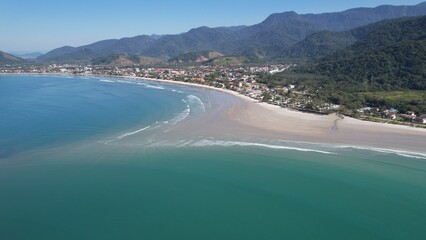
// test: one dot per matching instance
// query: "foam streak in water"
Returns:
(132, 133)
(105, 80)
(389, 151)
(174, 90)
(195, 103)
(151, 86)
(182, 115)
(247, 144)
(402, 153)
(127, 134)
(128, 82)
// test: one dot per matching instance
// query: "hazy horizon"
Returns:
(51, 24)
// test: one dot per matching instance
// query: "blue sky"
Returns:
(42, 25)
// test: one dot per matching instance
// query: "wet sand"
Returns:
(233, 116)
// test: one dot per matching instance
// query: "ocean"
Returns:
(95, 158)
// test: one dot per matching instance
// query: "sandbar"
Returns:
(235, 116)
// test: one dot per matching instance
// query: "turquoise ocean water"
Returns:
(80, 159)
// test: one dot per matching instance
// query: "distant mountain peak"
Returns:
(201, 29)
(279, 17)
(276, 33)
(156, 36)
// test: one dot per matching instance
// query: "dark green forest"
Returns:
(390, 59)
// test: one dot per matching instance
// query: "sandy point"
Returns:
(233, 115)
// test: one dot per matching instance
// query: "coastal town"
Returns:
(246, 80)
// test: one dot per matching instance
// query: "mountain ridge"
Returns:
(389, 58)
(395, 50)
(276, 33)
(6, 58)
(323, 43)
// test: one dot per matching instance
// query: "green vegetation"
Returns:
(392, 57)
(318, 45)
(6, 58)
(402, 100)
(195, 57)
(125, 60)
(228, 61)
(386, 68)
(323, 43)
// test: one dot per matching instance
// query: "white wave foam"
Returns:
(374, 149)
(128, 82)
(178, 117)
(132, 133)
(155, 87)
(151, 86)
(196, 104)
(203, 143)
(127, 134)
(193, 104)
(174, 90)
(401, 153)
(105, 80)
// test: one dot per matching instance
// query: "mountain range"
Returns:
(27, 55)
(391, 56)
(280, 36)
(6, 58)
(385, 66)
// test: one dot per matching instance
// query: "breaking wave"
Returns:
(330, 146)
(401, 153)
(178, 117)
(174, 90)
(196, 104)
(151, 86)
(105, 80)
(192, 103)
(205, 143)
(128, 82)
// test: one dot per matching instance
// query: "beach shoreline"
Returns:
(252, 119)
(240, 116)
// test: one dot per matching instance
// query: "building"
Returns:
(420, 120)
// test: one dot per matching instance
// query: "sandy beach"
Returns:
(233, 116)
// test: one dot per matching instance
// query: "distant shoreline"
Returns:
(251, 118)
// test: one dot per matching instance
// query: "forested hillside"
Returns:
(388, 61)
